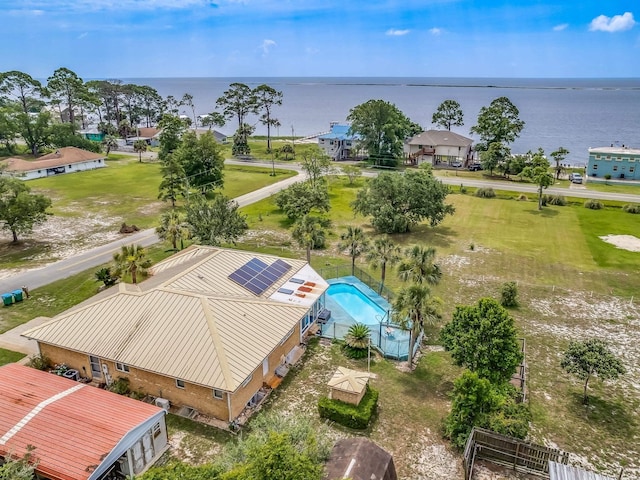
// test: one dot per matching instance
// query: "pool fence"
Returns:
(344, 270)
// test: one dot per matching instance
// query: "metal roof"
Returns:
(440, 137)
(348, 380)
(559, 471)
(617, 150)
(197, 326)
(359, 459)
(72, 426)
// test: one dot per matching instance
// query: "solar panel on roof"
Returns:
(256, 276)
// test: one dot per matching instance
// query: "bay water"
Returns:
(573, 113)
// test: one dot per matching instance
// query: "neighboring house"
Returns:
(211, 330)
(619, 162)
(359, 458)
(79, 432)
(438, 147)
(63, 160)
(339, 143)
(151, 135)
(93, 134)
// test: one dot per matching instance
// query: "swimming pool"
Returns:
(352, 301)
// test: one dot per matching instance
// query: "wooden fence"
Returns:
(510, 452)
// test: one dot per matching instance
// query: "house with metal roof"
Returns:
(63, 160)
(439, 147)
(75, 431)
(211, 330)
(339, 143)
(619, 162)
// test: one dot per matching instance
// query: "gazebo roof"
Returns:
(348, 380)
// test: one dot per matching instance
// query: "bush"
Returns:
(40, 362)
(348, 415)
(593, 204)
(485, 193)
(463, 189)
(631, 208)
(523, 198)
(509, 294)
(556, 200)
(120, 386)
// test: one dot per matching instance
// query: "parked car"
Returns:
(575, 178)
(475, 166)
(456, 164)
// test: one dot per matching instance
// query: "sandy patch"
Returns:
(625, 242)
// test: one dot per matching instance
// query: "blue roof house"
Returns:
(619, 162)
(338, 144)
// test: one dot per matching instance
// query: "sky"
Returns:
(328, 38)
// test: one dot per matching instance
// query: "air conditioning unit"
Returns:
(163, 403)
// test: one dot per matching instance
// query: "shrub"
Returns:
(463, 189)
(523, 198)
(348, 415)
(509, 294)
(631, 208)
(485, 193)
(607, 176)
(356, 341)
(120, 386)
(40, 362)
(556, 200)
(593, 204)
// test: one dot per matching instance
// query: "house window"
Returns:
(217, 394)
(121, 367)
(39, 171)
(246, 381)
(597, 157)
(631, 169)
(595, 166)
(615, 168)
(618, 159)
(179, 383)
(632, 159)
(608, 157)
(69, 166)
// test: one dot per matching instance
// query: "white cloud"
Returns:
(266, 45)
(617, 23)
(435, 31)
(392, 32)
(561, 27)
(82, 35)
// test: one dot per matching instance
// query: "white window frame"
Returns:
(179, 382)
(218, 394)
(122, 367)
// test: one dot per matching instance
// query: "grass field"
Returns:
(7, 356)
(572, 285)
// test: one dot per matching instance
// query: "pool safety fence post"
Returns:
(369, 355)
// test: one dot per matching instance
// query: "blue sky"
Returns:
(230, 38)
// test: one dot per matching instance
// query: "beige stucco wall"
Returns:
(348, 397)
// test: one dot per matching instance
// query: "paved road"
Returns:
(104, 253)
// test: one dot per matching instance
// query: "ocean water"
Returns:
(573, 113)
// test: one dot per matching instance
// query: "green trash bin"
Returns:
(7, 299)
(17, 295)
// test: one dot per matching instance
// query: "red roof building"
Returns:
(79, 432)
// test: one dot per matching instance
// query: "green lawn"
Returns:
(8, 356)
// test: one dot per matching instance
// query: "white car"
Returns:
(575, 178)
(456, 164)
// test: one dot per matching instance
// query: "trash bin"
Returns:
(7, 299)
(17, 295)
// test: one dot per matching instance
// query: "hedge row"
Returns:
(352, 416)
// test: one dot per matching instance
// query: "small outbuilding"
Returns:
(359, 459)
(560, 471)
(76, 431)
(348, 385)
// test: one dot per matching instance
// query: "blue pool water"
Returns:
(351, 301)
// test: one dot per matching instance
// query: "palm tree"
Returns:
(413, 308)
(418, 266)
(140, 146)
(383, 252)
(132, 259)
(109, 142)
(308, 231)
(173, 228)
(357, 340)
(354, 241)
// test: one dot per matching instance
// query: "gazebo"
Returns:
(348, 385)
